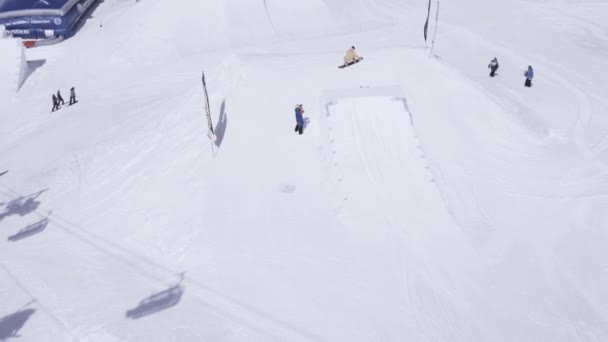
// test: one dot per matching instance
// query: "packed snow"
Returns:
(425, 201)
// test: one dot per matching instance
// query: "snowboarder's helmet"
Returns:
(352, 47)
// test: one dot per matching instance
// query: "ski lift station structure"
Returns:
(42, 19)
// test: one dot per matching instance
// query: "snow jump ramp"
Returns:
(385, 194)
(379, 164)
(13, 66)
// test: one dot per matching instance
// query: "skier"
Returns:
(299, 118)
(55, 103)
(493, 66)
(72, 96)
(59, 98)
(351, 56)
(529, 76)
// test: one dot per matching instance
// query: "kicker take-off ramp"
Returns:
(13, 65)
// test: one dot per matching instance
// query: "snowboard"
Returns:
(64, 105)
(349, 64)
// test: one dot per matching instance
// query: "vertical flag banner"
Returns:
(435, 31)
(207, 109)
(426, 23)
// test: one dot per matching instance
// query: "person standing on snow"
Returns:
(299, 118)
(493, 66)
(72, 96)
(59, 98)
(55, 103)
(529, 76)
(351, 56)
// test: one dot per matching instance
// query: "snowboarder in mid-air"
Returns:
(55, 103)
(529, 76)
(72, 96)
(493, 66)
(299, 118)
(59, 98)
(351, 57)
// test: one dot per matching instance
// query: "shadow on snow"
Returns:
(157, 302)
(32, 66)
(220, 128)
(31, 230)
(11, 324)
(21, 206)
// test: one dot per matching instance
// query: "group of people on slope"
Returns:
(58, 99)
(529, 74)
(352, 57)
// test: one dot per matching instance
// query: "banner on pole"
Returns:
(426, 23)
(210, 133)
(435, 31)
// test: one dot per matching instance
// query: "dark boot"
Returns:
(297, 128)
(300, 129)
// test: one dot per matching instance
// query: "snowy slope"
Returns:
(424, 202)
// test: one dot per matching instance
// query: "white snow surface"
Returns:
(425, 201)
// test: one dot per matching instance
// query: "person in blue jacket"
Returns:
(529, 76)
(299, 118)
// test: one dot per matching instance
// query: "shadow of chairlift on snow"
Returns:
(222, 123)
(21, 206)
(157, 302)
(31, 230)
(11, 324)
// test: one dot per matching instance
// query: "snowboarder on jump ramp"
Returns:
(351, 57)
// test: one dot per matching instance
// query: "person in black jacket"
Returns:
(59, 98)
(493, 66)
(55, 103)
(529, 76)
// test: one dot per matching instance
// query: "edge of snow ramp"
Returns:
(330, 97)
(384, 190)
(13, 65)
(362, 91)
